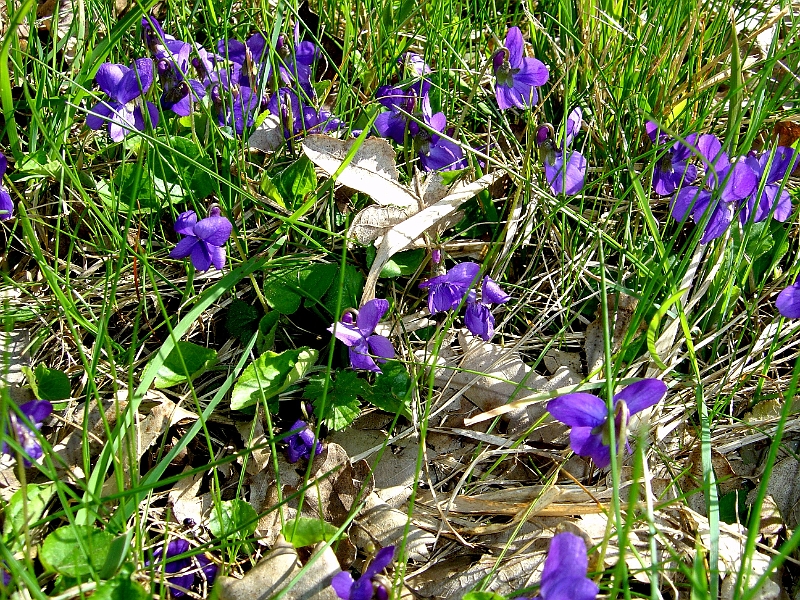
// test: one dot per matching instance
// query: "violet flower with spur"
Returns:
(588, 416)
(126, 87)
(182, 573)
(772, 168)
(478, 317)
(6, 203)
(564, 575)
(366, 346)
(729, 183)
(673, 169)
(35, 411)
(370, 585)
(564, 169)
(204, 241)
(516, 75)
(302, 442)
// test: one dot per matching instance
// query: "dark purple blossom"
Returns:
(564, 169)
(250, 58)
(6, 203)
(126, 87)
(447, 291)
(361, 338)
(478, 317)
(368, 586)
(564, 575)
(181, 573)
(36, 411)
(517, 76)
(178, 90)
(588, 416)
(673, 169)
(729, 183)
(772, 168)
(302, 442)
(401, 104)
(788, 301)
(205, 240)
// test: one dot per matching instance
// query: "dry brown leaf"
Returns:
(160, 418)
(620, 313)
(277, 569)
(184, 499)
(253, 436)
(383, 525)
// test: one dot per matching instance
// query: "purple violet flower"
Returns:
(297, 117)
(126, 87)
(772, 167)
(588, 416)
(205, 240)
(182, 573)
(673, 169)
(788, 301)
(368, 585)
(478, 317)
(517, 76)
(6, 203)
(415, 68)
(564, 575)
(447, 291)
(302, 442)
(729, 182)
(296, 67)
(361, 338)
(563, 175)
(401, 104)
(36, 411)
(249, 56)
(435, 152)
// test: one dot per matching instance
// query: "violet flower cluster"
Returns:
(564, 574)
(233, 82)
(748, 186)
(182, 573)
(366, 346)
(588, 416)
(448, 291)
(35, 411)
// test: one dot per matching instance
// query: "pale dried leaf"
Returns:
(380, 523)
(374, 221)
(268, 136)
(372, 170)
(185, 502)
(254, 438)
(274, 572)
(404, 234)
